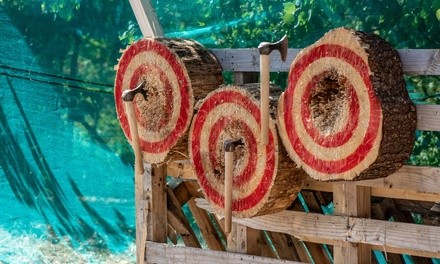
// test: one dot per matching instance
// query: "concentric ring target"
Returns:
(332, 115)
(164, 116)
(232, 113)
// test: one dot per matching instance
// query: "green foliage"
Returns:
(79, 42)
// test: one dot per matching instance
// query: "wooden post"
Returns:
(146, 18)
(352, 200)
(154, 185)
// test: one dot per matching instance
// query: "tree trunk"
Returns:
(346, 114)
(177, 72)
(265, 179)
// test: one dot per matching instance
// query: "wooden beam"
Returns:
(420, 240)
(146, 18)
(206, 227)
(410, 182)
(178, 220)
(162, 253)
(351, 200)
(154, 185)
(428, 117)
(414, 61)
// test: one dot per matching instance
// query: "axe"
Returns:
(229, 147)
(265, 48)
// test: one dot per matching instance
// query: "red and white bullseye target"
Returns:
(330, 119)
(231, 113)
(164, 116)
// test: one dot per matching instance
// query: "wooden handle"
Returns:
(138, 174)
(264, 97)
(229, 171)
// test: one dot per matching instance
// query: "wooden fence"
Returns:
(359, 224)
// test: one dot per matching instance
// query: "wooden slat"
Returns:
(154, 185)
(162, 253)
(206, 227)
(177, 219)
(428, 117)
(283, 245)
(146, 18)
(414, 62)
(420, 240)
(317, 251)
(410, 182)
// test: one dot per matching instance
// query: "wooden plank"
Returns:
(283, 245)
(420, 61)
(146, 18)
(414, 61)
(378, 213)
(177, 219)
(410, 182)
(162, 253)
(154, 186)
(351, 200)
(206, 227)
(419, 240)
(428, 117)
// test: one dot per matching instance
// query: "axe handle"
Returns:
(138, 174)
(229, 171)
(264, 97)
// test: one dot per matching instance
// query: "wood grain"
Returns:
(414, 61)
(420, 240)
(162, 253)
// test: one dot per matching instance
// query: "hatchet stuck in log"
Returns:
(265, 48)
(141, 229)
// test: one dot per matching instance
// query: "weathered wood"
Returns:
(206, 227)
(392, 237)
(284, 246)
(179, 222)
(154, 187)
(162, 253)
(146, 18)
(410, 182)
(317, 251)
(414, 61)
(428, 117)
(378, 213)
(351, 200)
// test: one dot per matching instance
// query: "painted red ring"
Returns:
(185, 107)
(346, 164)
(213, 195)
(339, 138)
(141, 71)
(250, 143)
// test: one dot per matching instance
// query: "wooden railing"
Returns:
(351, 231)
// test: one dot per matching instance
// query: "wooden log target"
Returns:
(176, 72)
(346, 114)
(265, 180)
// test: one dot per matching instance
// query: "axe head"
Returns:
(265, 48)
